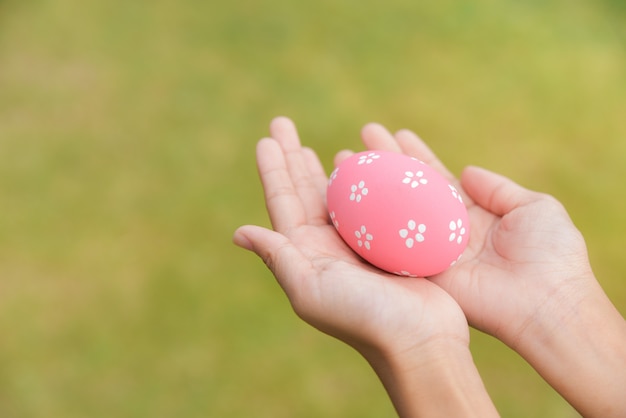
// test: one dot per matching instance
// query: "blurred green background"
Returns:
(127, 133)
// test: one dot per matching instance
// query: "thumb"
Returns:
(494, 192)
(275, 249)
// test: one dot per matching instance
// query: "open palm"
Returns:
(523, 248)
(524, 278)
(328, 285)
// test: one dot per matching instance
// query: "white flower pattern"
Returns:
(364, 238)
(333, 176)
(407, 233)
(334, 220)
(457, 259)
(457, 230)
(358, 191)
(368, 159)
(414, 179)
(404, 273)
(455, 193)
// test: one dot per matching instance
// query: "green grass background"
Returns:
(127, 133)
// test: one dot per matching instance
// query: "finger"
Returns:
(412, 145)
(276, 251)
(281, 199)
(494, 192)
(284, 131)
(377, 137)
(342, 155)
(316, 170)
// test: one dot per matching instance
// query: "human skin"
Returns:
(525, 279)
(413, 333)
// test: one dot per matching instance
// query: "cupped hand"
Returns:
(328, 285)
(525, 261)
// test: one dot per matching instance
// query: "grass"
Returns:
(127, 134)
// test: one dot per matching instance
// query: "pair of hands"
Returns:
(524, 272)
(523, 257)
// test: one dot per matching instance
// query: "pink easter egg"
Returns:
(398, 213)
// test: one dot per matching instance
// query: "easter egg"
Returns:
(398, 213)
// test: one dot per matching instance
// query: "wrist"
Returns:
(579, 348)
(434, 378)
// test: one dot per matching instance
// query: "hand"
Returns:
(411, 331)
(523, 248)
(328, 285)
(525, 279)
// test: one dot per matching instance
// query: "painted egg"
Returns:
(398, 213)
